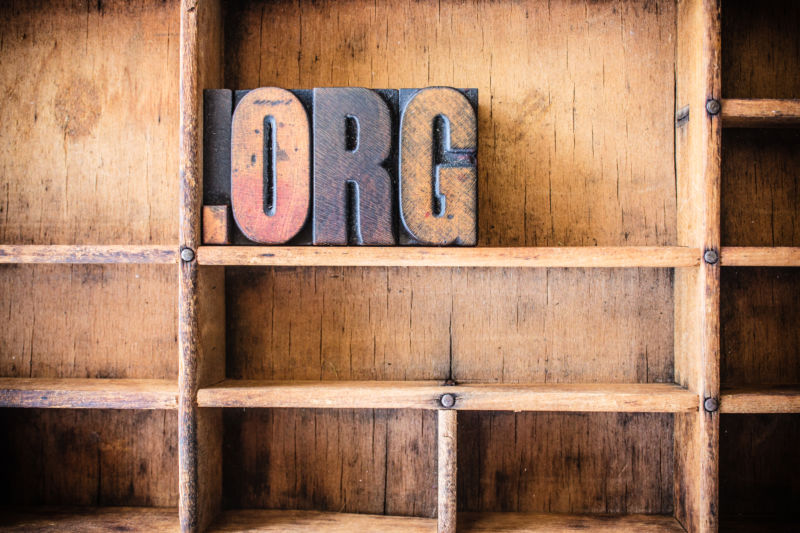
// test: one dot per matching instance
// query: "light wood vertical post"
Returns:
(698, 148)
(447, 466)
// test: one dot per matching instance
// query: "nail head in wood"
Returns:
(711, 405)
(447, 401)
(711, 257)
(187, 254)
(713, 106)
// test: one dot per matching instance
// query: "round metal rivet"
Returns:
(447, 400)
(711, 257)
(711, 405)
(713, 106)
(187, 254)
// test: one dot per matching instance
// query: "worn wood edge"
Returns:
(188, 330)
(760, 113)
(268, 520)
(403, 256)
(84, 393)
(287, 521)
(646, 397)
(94, 254)
(760, 400)
(447, 470)
(760, 256)
(89, 519)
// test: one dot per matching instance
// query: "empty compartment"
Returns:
(545, 464)
(760, 340)
(759, 476)
(470, 325)
(89, 122)
(89, 321)
(760, 188)
(365, 461)
(760, 49)
(79, 460)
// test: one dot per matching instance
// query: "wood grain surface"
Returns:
(89, 457)
(72, 393)
(655, 397)
(270, 165)
(760, 113)
(89, 122)
(760, 49)
(367, 460)
(422, 324)
(90, 519)
(438, 175)
(88, 321)
(565, 462)
(352, 186)
(760, 188)
(374, 256)
(760, 339)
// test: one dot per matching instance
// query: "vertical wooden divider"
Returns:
(697, 152)
(447, 466)
(201, 329)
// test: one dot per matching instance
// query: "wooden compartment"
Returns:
(89, 124)
(760, 187)
(78, 468)
(759, 472)
(579, 341)
(567, 463)
(760, 49)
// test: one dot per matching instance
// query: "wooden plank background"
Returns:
(576, 106)
(89, 122)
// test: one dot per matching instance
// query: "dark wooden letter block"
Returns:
(352, 189)
(270, 159)
(438, 175)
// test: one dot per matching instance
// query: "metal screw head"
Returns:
(447, 400)
(187, 254)
(711, 257)
(713, 106)
(711, 405)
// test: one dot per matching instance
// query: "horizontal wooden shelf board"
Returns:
(89, 519)
(646, 397)
(80, 393)
(553, 523)
(760, 113)
(101, 254)
(760, 256)
(775, 399)
(264, 520)
(412, 256)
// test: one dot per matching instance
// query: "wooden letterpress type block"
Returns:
(270, 161)
(352, 186)
(438, 176)
(216, 224)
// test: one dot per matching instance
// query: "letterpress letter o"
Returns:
(270, 165)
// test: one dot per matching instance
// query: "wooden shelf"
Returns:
(649, 397)
(90, 519)
(264, 520)
(760, 113)
(760, 256)
(776, 399)
(409, 256)
(56, 253)
(76, 393)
